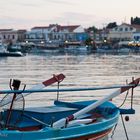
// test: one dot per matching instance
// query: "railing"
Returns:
(66, 89)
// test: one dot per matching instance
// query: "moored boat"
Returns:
(37, 123)
(74, 48)
(82, 120)
(11, 54)
(106, 49)
(4, 52)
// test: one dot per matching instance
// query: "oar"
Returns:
(35, 119)
(62, 122)
(55, 78)
(65, 89)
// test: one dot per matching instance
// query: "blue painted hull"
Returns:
(106, 119)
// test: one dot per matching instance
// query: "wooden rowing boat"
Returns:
(84, 120)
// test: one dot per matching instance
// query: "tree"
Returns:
(131, 20)
(92, 33)
(135, 20)
(111, 25)
(93, 28)
(88, 41)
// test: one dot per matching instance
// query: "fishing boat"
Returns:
(11, 54)
(4, 52)
(106, 49)
(84, 120)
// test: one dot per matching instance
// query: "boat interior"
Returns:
(37, 118)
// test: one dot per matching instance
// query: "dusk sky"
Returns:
(20, 14)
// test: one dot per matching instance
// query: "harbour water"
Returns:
(83, 70)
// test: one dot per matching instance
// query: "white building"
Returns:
(10, 36)
(54, 33)
(123, 32)
(136, 36)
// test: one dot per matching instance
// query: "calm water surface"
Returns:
(85, 70)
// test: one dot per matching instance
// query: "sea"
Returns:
(81, 70)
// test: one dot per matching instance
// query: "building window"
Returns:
(58, 36)
(4, 37)
(137, 38)
(116, 29)
(8, 36)
(131, 28)
(121, 29)
(13, 36)
(55, 37)
(126, 29)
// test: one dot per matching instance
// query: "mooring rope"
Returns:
(113, 131)
(124, 127)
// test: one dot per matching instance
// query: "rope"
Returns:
(124, 127)
(132, 97)
(124, 99)
(58, 91)
(113, 132)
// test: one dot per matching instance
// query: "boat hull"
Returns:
(11, 54)
(99, 136)
(97, 130)
(53, 136)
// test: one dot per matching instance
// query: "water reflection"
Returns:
(83, 70)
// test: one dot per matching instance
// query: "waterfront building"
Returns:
(21, 35)
(123, 33)
(98, 37)
(136, 35)
(10, 36)
(54, 33)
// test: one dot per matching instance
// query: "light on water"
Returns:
(81, 71)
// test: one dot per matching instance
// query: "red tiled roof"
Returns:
(59, 27)
(40, 27)
(70, 28)
(136, 26)
(127, 24)
(133, 25)
(21, 30)
(3, 30)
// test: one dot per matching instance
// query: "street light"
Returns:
(42, 42)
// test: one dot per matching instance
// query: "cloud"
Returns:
(66, 18)
(59, 1)
(78, 16)
(26, 4)
(10, 19)
(72, 18)
(15, 22)
(39, 3)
